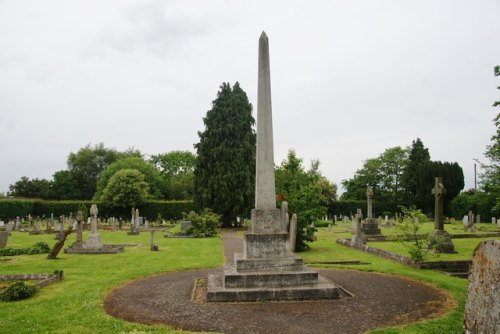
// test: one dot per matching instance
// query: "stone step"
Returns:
(272, 279)
(216, 292)
(292, 263)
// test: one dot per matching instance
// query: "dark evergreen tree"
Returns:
(225, 165)
(453, 181)
(417, 157)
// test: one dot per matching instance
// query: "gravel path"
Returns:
(379, 300)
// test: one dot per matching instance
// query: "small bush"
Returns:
(204, 224)
(323, 223)
(38, 248)
(17, 290)
(410, 237)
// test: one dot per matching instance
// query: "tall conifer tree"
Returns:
(225, 165)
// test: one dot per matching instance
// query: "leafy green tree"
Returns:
(225, 166)
(177, 168)
(34, 188)
(490, 177)
(65, 186)
(304, 193)
(383, 173)
(151, 176)
(126, 188)
(417, 157)
(87, 164)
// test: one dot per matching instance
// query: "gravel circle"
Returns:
(380, 300)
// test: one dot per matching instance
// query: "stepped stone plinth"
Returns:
(267, 269)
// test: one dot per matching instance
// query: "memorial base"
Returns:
(370, 227)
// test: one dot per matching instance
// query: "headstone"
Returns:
(470, 227)
(493, 220)
(335, 218)
(465, 221)
(18, 223)
(370, 227)
(482, 307)
(79, 229)
(36, 228)
(358, 239)
(146, 224)
(440, 240)
(185, 226)
(152, 245)
(59, 245)
(10, 226)
(94, 239)
(4, 236)
(2, 224)
(359, 214)
(292, 236)
(478, 218)
(386, 220)
(134, 222)
(267, 269)
(285, 218)
(113, 223)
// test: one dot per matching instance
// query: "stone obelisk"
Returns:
(267, 269)
(265, 193)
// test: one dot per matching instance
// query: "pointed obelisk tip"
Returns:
(263, 35)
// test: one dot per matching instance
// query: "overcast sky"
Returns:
(349, 78)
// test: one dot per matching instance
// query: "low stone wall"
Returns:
(43, 279)
(379, 252)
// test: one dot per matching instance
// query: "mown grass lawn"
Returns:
(75, 304)
(325, 249)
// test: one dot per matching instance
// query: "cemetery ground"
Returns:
(75, 305)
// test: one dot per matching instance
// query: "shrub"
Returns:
(38, 248)
(204, 224)
(17, 290)
(410, 237)
(323, 223)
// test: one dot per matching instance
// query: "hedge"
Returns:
(11, 208)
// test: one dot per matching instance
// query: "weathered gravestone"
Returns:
(59, 244)
(94, 238)
(267, 269)
(10, 226)
(36, 228)
(482, 307)
(152, 246)
(440, 240)
(292, 237)
(4, 236)
(134, 222)
(370, 227)
(358, 239)
(93, 245)
(185, 226)
(470, 225)
(359, 214)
